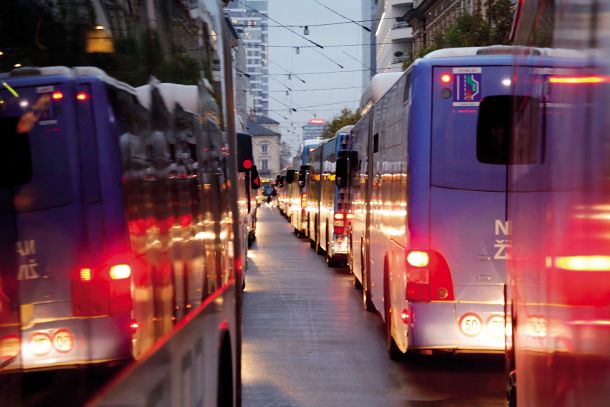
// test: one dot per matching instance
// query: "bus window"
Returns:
(35, 155)
(494, 131)
(16, 166)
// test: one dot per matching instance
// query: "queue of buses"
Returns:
(470, 203)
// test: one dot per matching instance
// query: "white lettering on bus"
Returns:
(26, 249)
(502, 229)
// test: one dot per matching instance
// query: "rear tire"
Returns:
(356, 283)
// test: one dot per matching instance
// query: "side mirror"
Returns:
(255, 180)
(303, 175)
(290, 176)
(342, 172)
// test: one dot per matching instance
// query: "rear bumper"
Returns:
(457, 327)
(68, 342)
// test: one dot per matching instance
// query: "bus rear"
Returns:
(455, 285)
(60, 285)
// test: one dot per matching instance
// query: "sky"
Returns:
(325, 103)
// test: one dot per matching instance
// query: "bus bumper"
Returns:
(457, 327)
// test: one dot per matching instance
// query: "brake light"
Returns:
(120, 272)
(57, 95)
(104, 290)
(341, 222)
(428, 277)
(418, 258)
(86, 274)
(339, 216)
(446, 78)
(82, 96)
(577, 80)
(134, 326)
(303, 199)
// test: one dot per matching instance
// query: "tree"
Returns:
(472, 30)
(345, 118)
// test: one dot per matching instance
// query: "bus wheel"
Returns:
(312, 244)
(393, 352)
(356, 283)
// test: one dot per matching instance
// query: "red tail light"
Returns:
(341, 222)
(428, 277)
(120, 272)
(303, 199)
(103, 290)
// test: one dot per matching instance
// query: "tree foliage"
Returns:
(472, 30)
(345, 118)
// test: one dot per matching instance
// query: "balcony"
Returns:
(401, 31)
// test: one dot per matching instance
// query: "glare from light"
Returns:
(99, 27)
(418, 258)
(120, 272)
(583, 263)
(17, 65)
(24, 104)
(506, 82)
(380, 23)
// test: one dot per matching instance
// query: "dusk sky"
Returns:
(309, 103)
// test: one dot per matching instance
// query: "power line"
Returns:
(317, 73)
(277, 22)
(287, 71)
(318, 25)
(310, 46)
(341, 15)
(303, 90)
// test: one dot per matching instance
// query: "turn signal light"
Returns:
(120, 272)
(86, 274)
(418, 258)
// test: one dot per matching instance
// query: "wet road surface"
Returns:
(308, 341)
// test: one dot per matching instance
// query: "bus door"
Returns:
(470, 132)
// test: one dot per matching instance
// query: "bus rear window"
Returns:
(16, 163)
(494, 131)
(34, 169)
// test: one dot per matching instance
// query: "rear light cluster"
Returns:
(428, 277)
(303, 200)
(102, 291)
(341, 222)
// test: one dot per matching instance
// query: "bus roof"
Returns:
(378, 86)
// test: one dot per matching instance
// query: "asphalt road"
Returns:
(308, 341)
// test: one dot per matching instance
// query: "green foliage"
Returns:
(345, 118)
(472, 30)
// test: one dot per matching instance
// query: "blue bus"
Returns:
(114, 220)
(433, 175)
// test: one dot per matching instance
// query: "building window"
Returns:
(264, 165)
(264, 148)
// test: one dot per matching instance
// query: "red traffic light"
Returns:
(257, 181)
(247, 164)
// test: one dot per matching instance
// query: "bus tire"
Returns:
(312, 244)
(356, 283)
(393, 352)
(225, 374)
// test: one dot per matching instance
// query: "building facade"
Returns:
(369, 13)
(431, 18)
(250, 21)
(314, 128)
(266, 146)
(394, 37)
